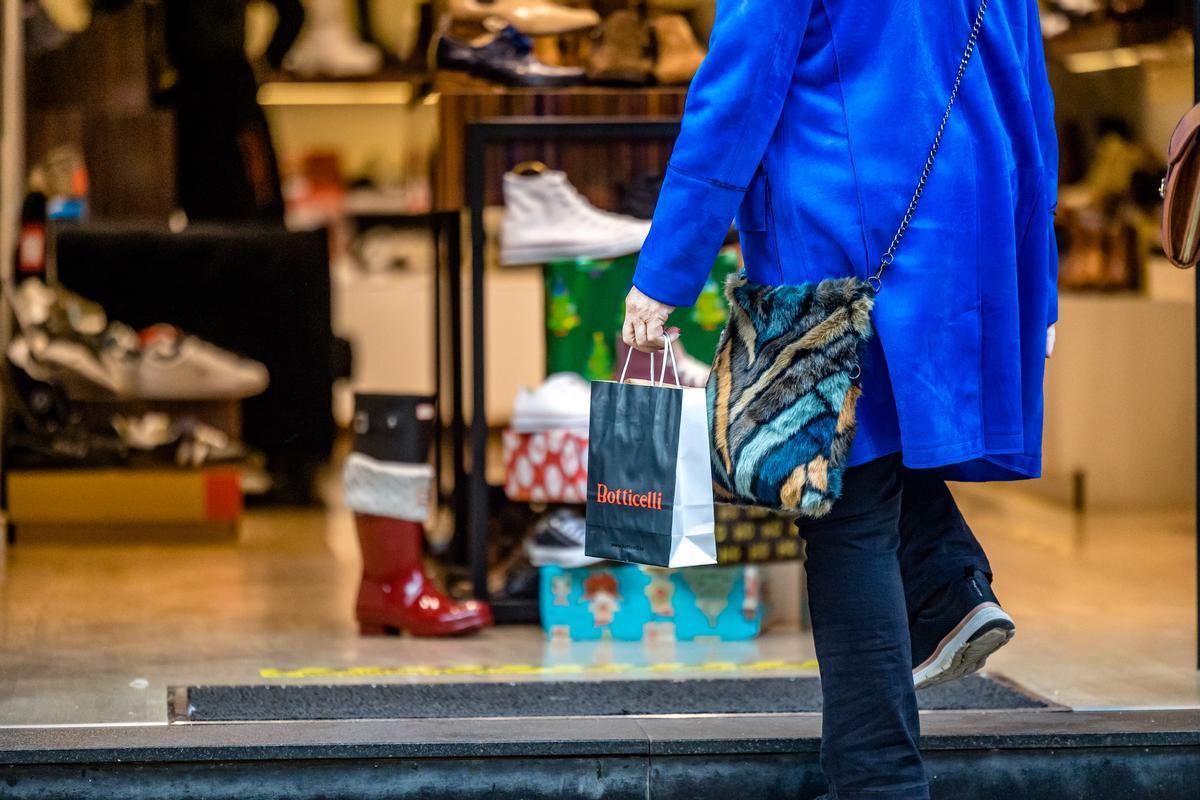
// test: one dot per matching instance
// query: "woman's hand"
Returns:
(645, 319)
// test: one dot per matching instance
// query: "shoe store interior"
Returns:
(301, 304)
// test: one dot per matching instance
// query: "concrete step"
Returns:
(1010, 755)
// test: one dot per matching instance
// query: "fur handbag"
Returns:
(786, 376)
(783, 391)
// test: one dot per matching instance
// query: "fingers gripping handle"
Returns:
(662, 376)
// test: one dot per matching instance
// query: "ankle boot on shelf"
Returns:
(530, 17)
(679, 54)
(619, 54)
(327, 46)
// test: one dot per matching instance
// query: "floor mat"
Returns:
(558, 699)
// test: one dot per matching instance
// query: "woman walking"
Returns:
(811, 122)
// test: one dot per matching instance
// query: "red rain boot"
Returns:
(396, 594)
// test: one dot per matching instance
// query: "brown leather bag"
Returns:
(1181, 193)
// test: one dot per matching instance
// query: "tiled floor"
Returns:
(95, 633)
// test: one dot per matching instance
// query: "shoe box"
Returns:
(86, 501)
(634, 603)
(546, 466)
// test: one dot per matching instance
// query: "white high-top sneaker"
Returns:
(546, 219)
(327, 47)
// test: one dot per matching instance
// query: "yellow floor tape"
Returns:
(539, 670)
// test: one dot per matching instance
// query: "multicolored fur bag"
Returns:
(785, 379)
(783, 391)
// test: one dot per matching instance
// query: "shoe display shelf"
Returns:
(489, 147)
(391, 87)
(144, 499)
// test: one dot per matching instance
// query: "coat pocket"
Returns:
(752, 214)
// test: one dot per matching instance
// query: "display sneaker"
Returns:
(558, 541)
(562, 402)
(20, 356)
(692, 372)
(75, 362)
(956, 632)
(176, 366)
(186, 441)
(547, 219)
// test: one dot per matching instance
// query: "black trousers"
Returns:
(892, 539)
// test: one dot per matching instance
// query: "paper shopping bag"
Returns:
(650, 495)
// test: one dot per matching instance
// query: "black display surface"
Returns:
(259, 291)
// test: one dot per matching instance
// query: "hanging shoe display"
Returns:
(530, 17)
(506, 57)
(679, 53)
(546, 218)
(619, 53)
(327, 46)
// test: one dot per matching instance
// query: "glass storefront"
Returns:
(303, 305)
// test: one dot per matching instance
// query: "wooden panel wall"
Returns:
(595, 168)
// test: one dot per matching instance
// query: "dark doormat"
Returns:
(557, 699)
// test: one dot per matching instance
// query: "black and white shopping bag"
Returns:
(650, 497)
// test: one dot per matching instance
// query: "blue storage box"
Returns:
(631, 603)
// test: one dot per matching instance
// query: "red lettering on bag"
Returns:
(627, 497)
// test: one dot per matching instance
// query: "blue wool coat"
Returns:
(810, 121)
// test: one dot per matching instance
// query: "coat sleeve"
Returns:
(732, 110)
(1042, 98)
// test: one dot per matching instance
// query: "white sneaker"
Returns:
(327, 47)
(175, 366)
(562, 402)
(546, 219)
(74, 364)
(19, 355)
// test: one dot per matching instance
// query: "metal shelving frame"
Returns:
(473, 526)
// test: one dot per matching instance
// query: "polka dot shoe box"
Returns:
(546, 467)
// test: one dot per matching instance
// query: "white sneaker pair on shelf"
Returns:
(547, 219)
(69, 341)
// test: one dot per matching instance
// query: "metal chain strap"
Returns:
(876, 280)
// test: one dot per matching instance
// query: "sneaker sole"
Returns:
(542, 255)
(966, 648)
(555, 556)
